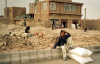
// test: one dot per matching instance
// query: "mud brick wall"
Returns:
(93, 24)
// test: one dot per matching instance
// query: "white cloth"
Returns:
(69, 42)
(63, 51)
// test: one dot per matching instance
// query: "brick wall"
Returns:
(17, 11)
(93, 24)
(12, 12)
(60, 0)
(7, 12)
(31, 8)
(7, 22)
(60, 8)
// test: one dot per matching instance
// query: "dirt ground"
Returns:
(11, 44)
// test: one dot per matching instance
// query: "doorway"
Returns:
(64, 24)
(75, 22)
(53, 22)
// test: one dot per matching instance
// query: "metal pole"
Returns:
(5, 11)
(85, 18)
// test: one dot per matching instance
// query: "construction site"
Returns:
(42, 18)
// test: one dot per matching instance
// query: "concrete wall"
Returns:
(93, 24)
(31, 56)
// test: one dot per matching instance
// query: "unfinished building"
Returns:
(13, 12)
(54, 12)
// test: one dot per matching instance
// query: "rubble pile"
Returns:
(10, 44)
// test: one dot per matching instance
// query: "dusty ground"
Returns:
(10, 44)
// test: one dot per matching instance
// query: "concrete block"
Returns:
(83, 47)
(24, 55)
(97, 47)
(48, 54)
(2, 56)
(5, 58)
(55, 54)
(8, 57)
(59, 50)
(6, 62)
(93, 52)
(16, 62)
(94, 48)
(33, 56)
(15, 57)
(97, 52)
(41, 55)
(88, 47)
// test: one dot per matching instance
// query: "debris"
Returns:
(7, 49)
(16, 43)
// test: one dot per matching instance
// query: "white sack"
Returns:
(25, 35)
(81, 60)
(73, 26)
(81, 52)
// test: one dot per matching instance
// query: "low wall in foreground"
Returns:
(31, 56)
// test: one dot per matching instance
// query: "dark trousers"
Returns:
(60, 42)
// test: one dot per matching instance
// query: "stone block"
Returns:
(2, 57)
(55, 54)
(88, 47)
(16, 62)
(95, 49)
(8, 57)
(59, 50)
(93, 52)
(24, 55)
(41, 55)
(15, 57)
(48, 54)
(6, 62)
(83, 47)
(33, 56)
(97, 52)
(5, 58)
